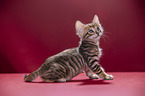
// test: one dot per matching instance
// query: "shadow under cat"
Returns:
(81, 81)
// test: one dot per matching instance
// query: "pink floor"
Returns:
(124, 84)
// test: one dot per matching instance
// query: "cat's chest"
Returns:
(97, 51)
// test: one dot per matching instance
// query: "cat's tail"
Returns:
(32, 76)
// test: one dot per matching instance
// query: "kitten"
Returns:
(69, 63)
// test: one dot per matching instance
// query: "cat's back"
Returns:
(65, 53)
(70, 59)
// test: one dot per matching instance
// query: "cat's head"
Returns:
(91, 31)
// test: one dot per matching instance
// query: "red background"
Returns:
(32, 30)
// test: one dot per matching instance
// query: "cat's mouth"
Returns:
(98, 36)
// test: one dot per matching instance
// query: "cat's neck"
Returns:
(89, 41)
(89, 46)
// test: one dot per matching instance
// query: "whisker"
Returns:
(106, 38)
(103, 38)
(106, 32)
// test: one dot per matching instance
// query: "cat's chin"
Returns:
(95, 40)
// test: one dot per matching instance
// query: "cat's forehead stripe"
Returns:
(92, 25)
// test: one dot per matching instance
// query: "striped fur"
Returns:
(69, 63)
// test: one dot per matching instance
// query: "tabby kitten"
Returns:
(69, 63)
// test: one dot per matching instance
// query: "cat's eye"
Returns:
(91, 31)
(98, 28)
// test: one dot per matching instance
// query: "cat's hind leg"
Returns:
(54, 80)
(54, 74)
(52, 77)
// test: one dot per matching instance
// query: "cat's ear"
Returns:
(79, 28)
(96, 20)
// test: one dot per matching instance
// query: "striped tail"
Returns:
(31, 76)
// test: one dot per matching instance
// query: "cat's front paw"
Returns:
(108, 77)
(94, 76)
